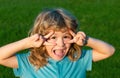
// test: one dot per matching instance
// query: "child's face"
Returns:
(61, 47)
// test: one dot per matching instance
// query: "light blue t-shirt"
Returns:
(55, 69)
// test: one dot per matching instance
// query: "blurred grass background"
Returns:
(98, 18)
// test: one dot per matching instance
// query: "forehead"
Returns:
(55, 29)
(61, 32)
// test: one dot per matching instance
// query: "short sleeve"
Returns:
(87, 56)
(89, 65)
(22, 63)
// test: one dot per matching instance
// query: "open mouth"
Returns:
(59, 53)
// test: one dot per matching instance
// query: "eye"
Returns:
(67, 37)
(53, 37)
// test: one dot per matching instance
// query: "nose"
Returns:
(60, 42)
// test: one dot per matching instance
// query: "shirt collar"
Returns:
(52, 61)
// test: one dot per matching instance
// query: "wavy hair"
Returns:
(58, 20)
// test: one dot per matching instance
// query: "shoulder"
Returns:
(86, 53)
(22, 55)
(86, 59)
(23, 58)
(23, 63)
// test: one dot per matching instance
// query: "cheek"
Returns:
(51, 40)
(49, 48)
(68, 46)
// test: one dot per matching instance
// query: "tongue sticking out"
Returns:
(59, 53)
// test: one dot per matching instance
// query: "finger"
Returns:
(34, 37)
(70, 41)
(41, 38)
(82, 33)
(72, 33)
(48, 35)
(79, 36)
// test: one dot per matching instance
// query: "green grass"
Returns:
(98, 18)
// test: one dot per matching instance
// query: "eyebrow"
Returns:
(63, 33)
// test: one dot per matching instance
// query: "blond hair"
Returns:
(55, 19)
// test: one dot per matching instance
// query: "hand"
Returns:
(38, 40)
(77, 38)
